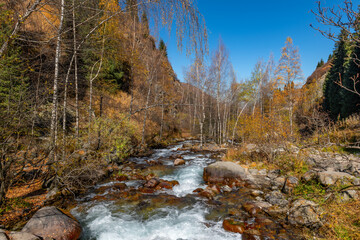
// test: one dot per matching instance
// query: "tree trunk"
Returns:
(145, 114)
(76, 74)
(56, 79)
(99, 129)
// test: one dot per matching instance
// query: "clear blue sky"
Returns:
(253, 29)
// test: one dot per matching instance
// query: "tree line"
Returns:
(87, 76)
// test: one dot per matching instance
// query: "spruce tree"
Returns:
(162, 48)
(351, 101)
(145, 23)
(332, 91)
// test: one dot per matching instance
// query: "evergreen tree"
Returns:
(145, 23)
(351, 101)
(163, 48)
(332, 91)
(320, 63)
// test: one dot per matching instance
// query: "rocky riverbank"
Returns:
(184, 183)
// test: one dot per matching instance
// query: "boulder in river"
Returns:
(152, 183)
(50, 222)
(220, 171)
(179, 161)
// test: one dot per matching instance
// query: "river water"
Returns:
(114, 219)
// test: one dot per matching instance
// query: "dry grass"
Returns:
(22, 201)
(343, 220)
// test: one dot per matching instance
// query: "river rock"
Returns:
(179, 161)
(50, 222)
(233, 226)
(22, 236)
(304, 213)
(328, 178)
(220, 171)
(152, 183)
(276, 198)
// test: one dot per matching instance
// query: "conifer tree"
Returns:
(163, 48)
(145, 23)
(332, 91)
(350, 101)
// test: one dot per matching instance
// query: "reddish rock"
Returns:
(251, 208)
(233, 226)
(120, 186)
(50, 222)
(149, 176)
(174, 183)
(147, 190)
(198, 190)
(178, 162)
(152, 183)
(122, 178)
(207, 194)
(163, 185)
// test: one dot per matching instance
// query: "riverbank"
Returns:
(302, 193)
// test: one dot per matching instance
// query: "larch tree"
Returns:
(289, 74)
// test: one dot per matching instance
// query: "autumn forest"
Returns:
(89, 99)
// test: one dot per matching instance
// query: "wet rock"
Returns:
(178, 162)
(165, 185)
(214, 189)
(152, 183)
(22, 236)
(119, 186)
(233, 226)
(251, 208)
(207, 194)
(50, 222)
(147, 190)
(304, 213)
(328, 178)
(220, 171)
(276, 198)
(290, 184)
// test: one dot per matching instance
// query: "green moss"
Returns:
(311, 190)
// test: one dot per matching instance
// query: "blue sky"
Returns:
(253, 29)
